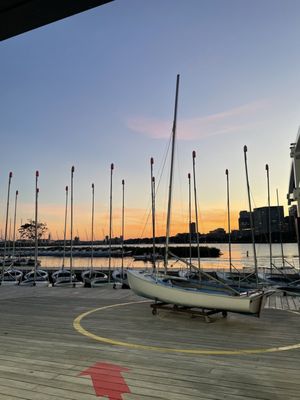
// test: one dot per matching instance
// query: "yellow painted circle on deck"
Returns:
(80, 329)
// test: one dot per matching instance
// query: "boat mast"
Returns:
(228, 219)
(280, 229)
(15, 219)
(65, 228)
(269, 218)
(36, 227)
(71, 242)
(153, 213)
(171, 178)
(9, 240)
(93, 212)
(122, 244)
(6, 223)
(110, 221)
(251, 217)
(190, 219)
(196, 212)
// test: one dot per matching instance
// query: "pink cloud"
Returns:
(236, 119)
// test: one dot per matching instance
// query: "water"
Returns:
(239, 258)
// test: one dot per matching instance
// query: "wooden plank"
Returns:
(41, 355)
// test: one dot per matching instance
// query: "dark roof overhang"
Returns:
(19, 16)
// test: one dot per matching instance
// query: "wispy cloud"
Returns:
(229, 121)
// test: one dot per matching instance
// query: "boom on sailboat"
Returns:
(184, 293)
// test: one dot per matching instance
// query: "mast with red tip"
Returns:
(36, 227)
(6, 224)
(110, 222)
(153, 213)
(196, 211)
(14, 231)
(65, 229)
(71, 223)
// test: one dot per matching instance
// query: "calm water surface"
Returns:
(239, 258)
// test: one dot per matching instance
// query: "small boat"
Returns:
(120, 277)
(64, 278)
(94, 277)
(36, 278)
(11, 276)
(182, 293)
(99, 280)
(185, 293)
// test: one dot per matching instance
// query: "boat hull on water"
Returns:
(163, 290)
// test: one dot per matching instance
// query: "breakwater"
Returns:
(116, 251)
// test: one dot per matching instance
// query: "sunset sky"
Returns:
(99, 87)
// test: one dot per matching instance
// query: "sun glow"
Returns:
(138, 222)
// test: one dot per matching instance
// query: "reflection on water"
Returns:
(239, 258)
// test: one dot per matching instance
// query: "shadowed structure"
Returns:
(19, 16)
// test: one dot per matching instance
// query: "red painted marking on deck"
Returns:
(107, 380)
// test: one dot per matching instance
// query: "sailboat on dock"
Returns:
(185, 294)
(93, 277)
(10, 275)
(36, 277)
(66, 277)
(119, 275)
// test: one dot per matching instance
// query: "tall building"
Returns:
(193, 228)
(244, 220)
(261, 219)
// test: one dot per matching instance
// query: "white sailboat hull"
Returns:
(117, 276)
(94, 277)
(147, 286)
(32, 282)
(9, 282)
(62, 278)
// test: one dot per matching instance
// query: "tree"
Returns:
(27, 231)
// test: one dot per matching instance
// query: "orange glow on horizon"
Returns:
(138, 222)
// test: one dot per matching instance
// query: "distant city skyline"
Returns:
(260, 221)
(98, 88)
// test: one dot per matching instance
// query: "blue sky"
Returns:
(99, 87)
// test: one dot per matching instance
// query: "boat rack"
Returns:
(195, 312)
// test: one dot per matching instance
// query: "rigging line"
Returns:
(255, 206)
(180, 180)
(163, 163)
(160, 173)
(253, 200)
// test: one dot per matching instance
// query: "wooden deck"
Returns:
(168, 356)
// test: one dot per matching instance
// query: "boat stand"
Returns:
(195, 312)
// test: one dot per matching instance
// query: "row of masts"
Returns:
(153, 216)
(196, 205)
(251, 219)
(153, 211)
(65, 224)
